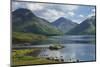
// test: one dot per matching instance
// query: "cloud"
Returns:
(92, 14)
(51, 12)
(72, 7)
(31, 6)
(71, 13)
(77, 21)
(82, 16)
(35, 7)
(43, 10)
(93, 10)
(51, 15)
(15, 5)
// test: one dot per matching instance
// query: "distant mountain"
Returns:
(86, 27)
(23, 20)
(64, 24)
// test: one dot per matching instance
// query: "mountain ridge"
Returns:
(86, 27)
(26, 21)
(64, 24)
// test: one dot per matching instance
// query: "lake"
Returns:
(80, 47)
(76, 48)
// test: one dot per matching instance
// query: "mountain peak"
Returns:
(25, 21)
(86, 27)
(64, 24)
(63, 19)
(23, 12)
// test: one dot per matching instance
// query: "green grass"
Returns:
(19, 58)
(25, 60)
(19, 37)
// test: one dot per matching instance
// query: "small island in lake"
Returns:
(56, 47)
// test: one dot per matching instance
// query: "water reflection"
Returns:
(69, 39)
(78, 48)
(72, 52)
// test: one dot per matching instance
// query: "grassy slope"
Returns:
(19, 37)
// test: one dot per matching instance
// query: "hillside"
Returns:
(23, 20)
(64, 24)
(86, 27)
(19, 37)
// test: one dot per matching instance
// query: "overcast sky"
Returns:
(51, 12)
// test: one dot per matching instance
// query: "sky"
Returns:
(51, 12)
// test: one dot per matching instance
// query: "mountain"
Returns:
(86, 27)
(64, 24)
(23, 20)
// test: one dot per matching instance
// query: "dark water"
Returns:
(69, 39)
(81, 47)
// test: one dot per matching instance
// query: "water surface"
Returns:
(81, 47)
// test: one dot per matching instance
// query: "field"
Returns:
(27, 57)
